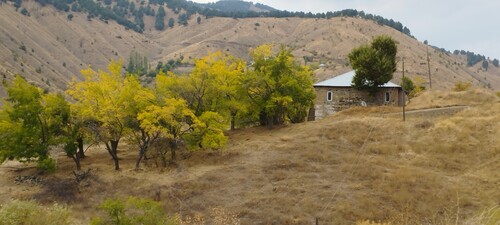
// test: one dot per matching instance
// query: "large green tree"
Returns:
(279, 88)
(374, 64)
(30, 122)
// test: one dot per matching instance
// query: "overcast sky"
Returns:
(459, 24)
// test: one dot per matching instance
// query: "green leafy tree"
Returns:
(30, 123)
(374, 64)
(407, 85)
(280, 90)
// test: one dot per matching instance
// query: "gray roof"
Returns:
(345, 80)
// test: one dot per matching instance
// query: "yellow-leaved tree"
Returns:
(215, 85)
(106, 100)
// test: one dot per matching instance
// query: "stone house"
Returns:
(336, 94)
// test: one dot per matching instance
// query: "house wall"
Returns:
(346, 97)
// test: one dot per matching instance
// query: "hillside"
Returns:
(357, 165)
(49, 49)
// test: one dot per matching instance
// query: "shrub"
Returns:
(19, 212)
(132, 211)
(47, 165)
(462, 86)
(418, 86)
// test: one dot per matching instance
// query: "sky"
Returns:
(450, 24)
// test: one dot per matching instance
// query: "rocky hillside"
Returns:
(49, 49)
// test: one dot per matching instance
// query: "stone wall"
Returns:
(346, 97)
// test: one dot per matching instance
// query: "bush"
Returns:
(462, 86)
(47, 165)
(31, 213)
(133, 211)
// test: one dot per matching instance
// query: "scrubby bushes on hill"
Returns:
(122, 9)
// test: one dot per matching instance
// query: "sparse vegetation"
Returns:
(132, 211)
(462, 86)
(18, 212)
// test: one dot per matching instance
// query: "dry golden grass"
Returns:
(436, 99)
(357, 166)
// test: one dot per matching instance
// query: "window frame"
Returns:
(329, 96)
(387, 96)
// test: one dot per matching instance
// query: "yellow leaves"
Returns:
(261, 52)
(208, 131)
(115, 68)
(171, 119)
(107, 97)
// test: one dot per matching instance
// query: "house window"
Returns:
(387, 96)
(329, 96)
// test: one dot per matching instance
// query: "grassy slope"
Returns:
(353, 166)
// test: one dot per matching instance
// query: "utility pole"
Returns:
(404, 91)
(429, 66)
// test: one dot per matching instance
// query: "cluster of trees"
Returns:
(190, 111)
(472, 58)
(123, 9)
(236, 6)
(137, 64)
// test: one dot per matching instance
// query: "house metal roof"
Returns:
(345, 80)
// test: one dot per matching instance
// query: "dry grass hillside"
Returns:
(354, 166)
(55, 48)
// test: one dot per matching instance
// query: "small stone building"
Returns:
(337, 94)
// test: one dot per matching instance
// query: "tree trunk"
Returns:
(173, 154)
(112, 149)
(143, 147)
(233, 121)
(142, 152)
(76, 158)
(81, 153)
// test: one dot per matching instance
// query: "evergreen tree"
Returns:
(171, 22)
(495, 62)
(374, 64)
(160, 19)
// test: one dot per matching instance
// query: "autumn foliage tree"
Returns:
(105, 98)
(215, 85)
